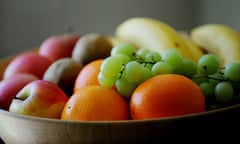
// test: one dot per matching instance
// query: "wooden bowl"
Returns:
(216, 125)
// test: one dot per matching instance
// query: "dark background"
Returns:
(25, 24)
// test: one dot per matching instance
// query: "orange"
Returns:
(88, 75)
(166, 95)
(96, 103)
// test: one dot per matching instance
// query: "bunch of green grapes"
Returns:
(128, 66)
(220, 85)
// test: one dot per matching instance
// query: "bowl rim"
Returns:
(169, 118)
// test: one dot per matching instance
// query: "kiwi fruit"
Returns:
(91, 46)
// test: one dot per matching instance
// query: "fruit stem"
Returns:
(17, 98)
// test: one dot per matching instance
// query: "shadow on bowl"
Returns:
(216, 125)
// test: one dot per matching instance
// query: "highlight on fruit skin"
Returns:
(165, 96)
(156, 35)
(218, 39)
(96, 103)
(88, 75)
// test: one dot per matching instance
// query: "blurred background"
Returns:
(25, 24)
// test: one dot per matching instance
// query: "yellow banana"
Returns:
(154, 35)
(195, 49)
(220, 40)
(114, 40)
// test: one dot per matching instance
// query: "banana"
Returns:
(114, 40)
(218, 39)
(195, 49)
(153, 34)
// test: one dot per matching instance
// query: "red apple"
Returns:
(58, 46)
(29, 62)
(10, 87)
(39, 98)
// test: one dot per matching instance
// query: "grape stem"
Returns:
(209, 77)
(213, 78)
(121, 71)
(140, 60)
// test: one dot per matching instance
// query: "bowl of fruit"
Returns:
(149, 83)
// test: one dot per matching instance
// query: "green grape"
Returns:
(124, 48)
(172, 57)
(224, 92)
(215, 78)
(105, 81)
(188, 68)
(208, 90)
(142, 52)
(133, 71)
(111, 67)
(173, 50)
(208, 64)
(152, 57)
(124, 87)
(161, 68)
(146, 74)
(232, 72)
(147, 65)
(199, 78)
(122, 58)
